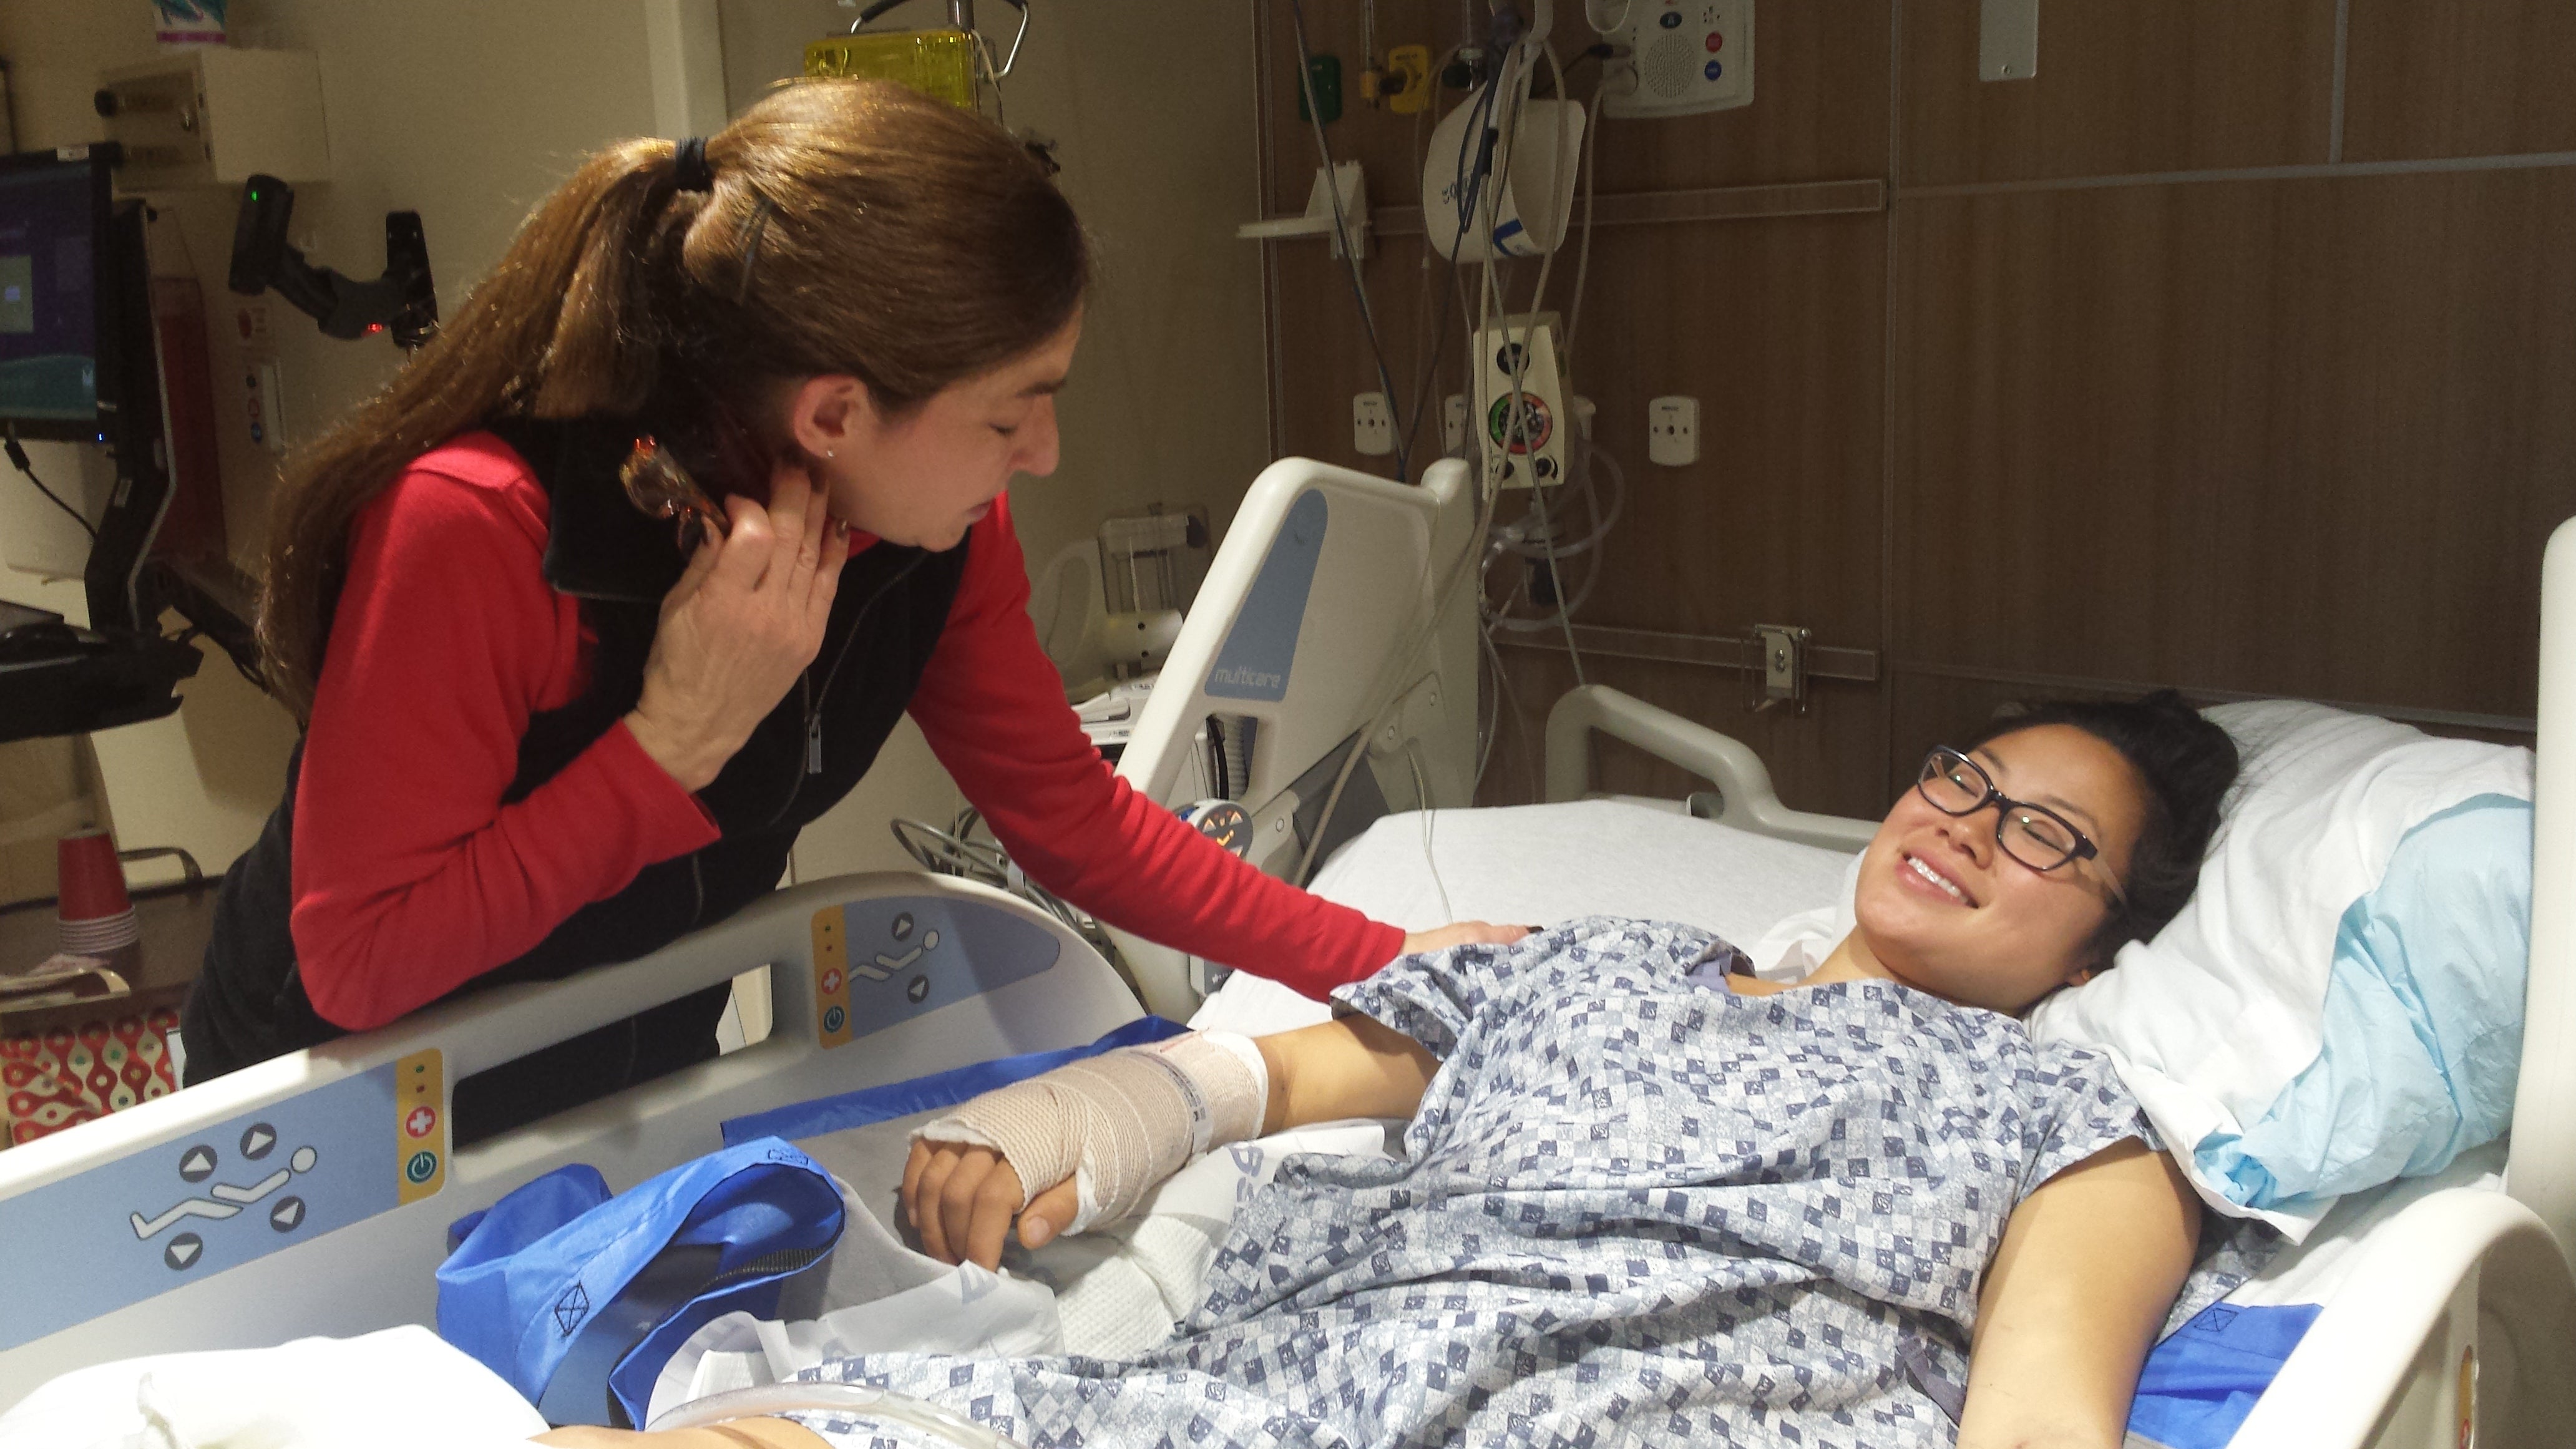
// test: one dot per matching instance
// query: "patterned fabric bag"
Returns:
(61, 1077)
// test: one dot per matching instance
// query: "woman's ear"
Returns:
(829, 412)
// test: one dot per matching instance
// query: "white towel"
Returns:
(401, 1388)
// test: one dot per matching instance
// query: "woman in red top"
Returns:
(543, 733)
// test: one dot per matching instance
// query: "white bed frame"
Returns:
(362, 1254)
(2462, 1276)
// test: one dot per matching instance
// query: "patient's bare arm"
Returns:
(1348, 1067)
(963, 1199)
(2089, 1267)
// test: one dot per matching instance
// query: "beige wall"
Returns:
(468, 111)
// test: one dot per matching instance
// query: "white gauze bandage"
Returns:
(1118, 1123)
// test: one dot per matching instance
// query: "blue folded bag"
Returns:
(578, 1298)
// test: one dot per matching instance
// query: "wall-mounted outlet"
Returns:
(260, 399)
(1453, 425)
(1372, 425)
(1672, 431)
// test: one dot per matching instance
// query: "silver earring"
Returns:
(830, 453)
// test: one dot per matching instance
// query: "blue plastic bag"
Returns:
(578, 1298)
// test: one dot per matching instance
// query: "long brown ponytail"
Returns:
(853, 227)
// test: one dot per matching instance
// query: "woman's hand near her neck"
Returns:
(740, 625)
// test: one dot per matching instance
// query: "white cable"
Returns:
(1592, 16)
(1516, 425)
(1342, 235)
(1422, 796)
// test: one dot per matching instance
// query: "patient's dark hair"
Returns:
(2187, 765)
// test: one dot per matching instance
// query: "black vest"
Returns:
(249, 1003)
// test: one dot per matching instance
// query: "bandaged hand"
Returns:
(1078, 1146)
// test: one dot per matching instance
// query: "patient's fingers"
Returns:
(927, 1219)
(1048, 1213)
(957, 1197)
(914, 1167)
(996, 1198)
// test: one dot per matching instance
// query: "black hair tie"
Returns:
(689, 168)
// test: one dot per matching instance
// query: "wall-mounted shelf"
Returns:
(1318, 219)
(212, 117)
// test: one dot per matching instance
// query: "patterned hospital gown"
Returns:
(1634, 1208)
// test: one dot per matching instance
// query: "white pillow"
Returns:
(2314, 1022)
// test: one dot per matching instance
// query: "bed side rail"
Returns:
(2542, 1171)
(1743, 786)
(2465, 1289)
(310, 1194)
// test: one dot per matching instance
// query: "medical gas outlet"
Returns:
(1519, 413)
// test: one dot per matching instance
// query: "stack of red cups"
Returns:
(93, 909)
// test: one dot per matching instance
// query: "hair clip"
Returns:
(659, 487)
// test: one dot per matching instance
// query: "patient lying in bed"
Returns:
(1645, 1199)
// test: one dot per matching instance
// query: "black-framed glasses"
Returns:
(2035, 835)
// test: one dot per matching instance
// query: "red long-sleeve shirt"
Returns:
(411, 877)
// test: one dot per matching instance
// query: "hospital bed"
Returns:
(1328, 673)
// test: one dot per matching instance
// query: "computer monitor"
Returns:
(62, 328)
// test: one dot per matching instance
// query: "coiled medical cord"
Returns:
(820, 1396)
(956, 852)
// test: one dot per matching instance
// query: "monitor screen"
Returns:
(51, 216)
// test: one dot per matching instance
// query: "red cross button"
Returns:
(421, 1122)
(831, 981)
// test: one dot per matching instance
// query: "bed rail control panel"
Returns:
(134, 1227)
(880, 963)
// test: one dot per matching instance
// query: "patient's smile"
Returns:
(1936, 880)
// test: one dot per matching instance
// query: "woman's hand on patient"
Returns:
(1464, 933)
(740, 625)
(962, 1201)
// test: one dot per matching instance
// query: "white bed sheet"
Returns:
(1536, 865)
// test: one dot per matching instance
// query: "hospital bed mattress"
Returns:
(1536, 865)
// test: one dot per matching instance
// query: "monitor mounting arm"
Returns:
(402, 301)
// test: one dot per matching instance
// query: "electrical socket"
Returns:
(1453, 425)
(1372, 425)
(1672, 431)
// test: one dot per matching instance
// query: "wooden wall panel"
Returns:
(2459, 78)
(1819, 107)
(1778, 329)
(2282, 436)
(2123, 88)
(2038, 422)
